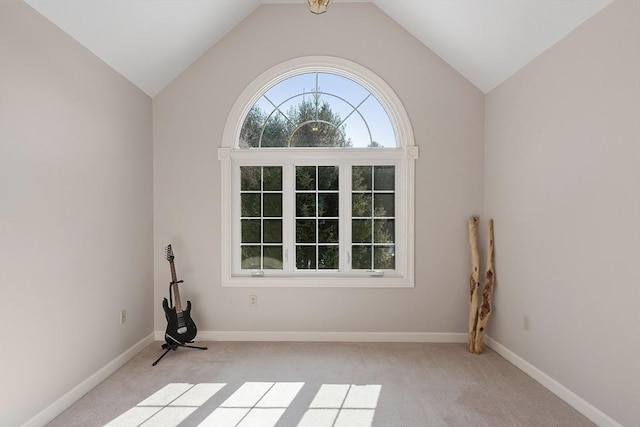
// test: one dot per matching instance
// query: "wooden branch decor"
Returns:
(474, 282)
(487, 294)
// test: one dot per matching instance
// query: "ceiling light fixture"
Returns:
(318, 6)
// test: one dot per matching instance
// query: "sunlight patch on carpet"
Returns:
(254, 404)
(168, 406)
(342, 405)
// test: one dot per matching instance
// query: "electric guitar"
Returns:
(180, 327)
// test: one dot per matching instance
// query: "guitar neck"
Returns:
(176, 291)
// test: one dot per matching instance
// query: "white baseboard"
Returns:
(579, 404)
(435, 337)
(57, 407)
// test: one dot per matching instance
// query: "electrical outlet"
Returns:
(123, 316)
(253, 301)
(526, 323)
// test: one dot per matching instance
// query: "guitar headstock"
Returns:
(169, 253)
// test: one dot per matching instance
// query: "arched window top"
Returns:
(318, 102)
(317, 109)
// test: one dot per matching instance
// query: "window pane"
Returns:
(306, 257)
(250, 231)
(273, 257)
(250, 132)
(306, 231)
(274, 133)
(250, 203)
(361, 231)
(292, 86)
(272, 204)
(378, 122)
(296, 108)
(306, 205)
(265, 108)
(272, 231)
(361, 178)
(384, 257)
(350, 90)
(272, 178)
(261, 198)
(306, 178)
(384, 205)
(328, 231)
(380, 221)
(327, 178)
(250, 177)
(384, 231)
(328, 257)
(313, 210)
(357, 132)
(251, 257)
(384, 178)
(361, 204)
(361, 257)
(318, 134)
(328, 205)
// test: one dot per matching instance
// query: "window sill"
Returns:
(317, 282)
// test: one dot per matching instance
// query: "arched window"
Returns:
(317, 109)
(317, 180)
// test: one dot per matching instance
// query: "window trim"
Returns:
(405, 153)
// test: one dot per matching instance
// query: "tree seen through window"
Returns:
(288, 115)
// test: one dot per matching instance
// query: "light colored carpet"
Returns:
(411, 385)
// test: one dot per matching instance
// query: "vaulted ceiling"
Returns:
(151, 42)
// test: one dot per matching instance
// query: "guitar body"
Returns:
(180, 327)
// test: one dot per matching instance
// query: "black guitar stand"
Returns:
(168, 347)
(174, 346)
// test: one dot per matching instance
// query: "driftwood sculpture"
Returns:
(474, 281)
(487, 294)
(479, 316)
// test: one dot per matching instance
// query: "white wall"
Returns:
(562, 172)
(447, 116)
(76, 213)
